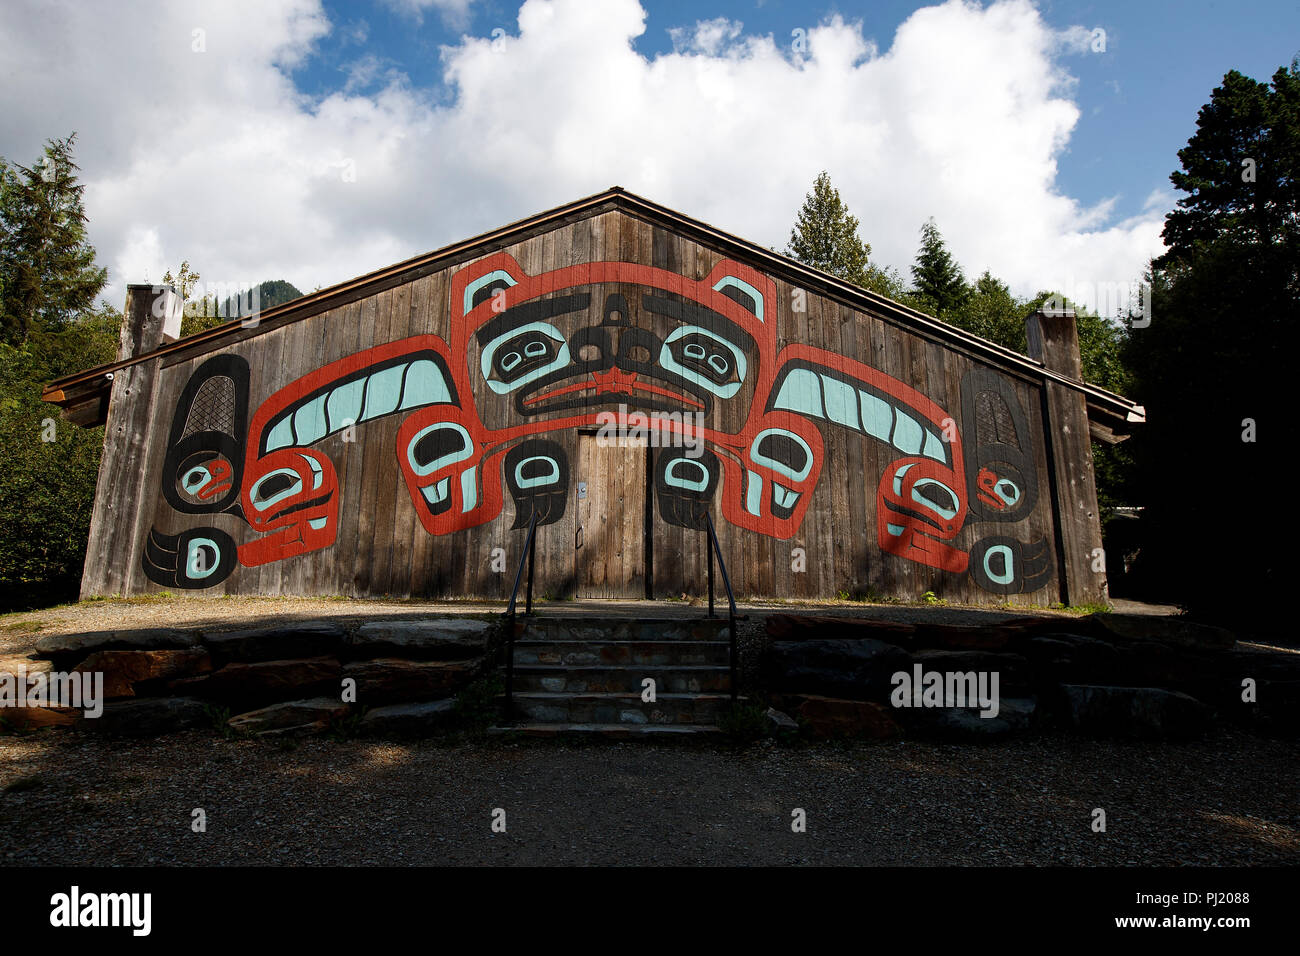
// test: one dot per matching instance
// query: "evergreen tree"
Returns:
(992, 312)
(825, 235)
(47, 263)
(1241, 170)
(1211, 366)
(938, 282)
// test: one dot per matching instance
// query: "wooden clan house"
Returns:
(616, 375)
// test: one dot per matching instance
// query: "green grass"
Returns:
(745, 722)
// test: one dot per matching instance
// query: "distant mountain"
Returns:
(271, 293)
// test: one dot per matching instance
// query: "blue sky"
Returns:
(315, 140)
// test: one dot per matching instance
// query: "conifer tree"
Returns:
(938, 281)
(825, 235)
(47, 262)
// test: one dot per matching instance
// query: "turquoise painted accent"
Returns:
(921, 499)
(877, 416)
(898, 479)
(677, 481)
(344, 404)
(196, 478)
(383, 392)
(745, 287)
(317, 474)
(281, 436)
(753, 493)
(309, 421)
(1010, 497)
(451, 458)
(907, 433)
(696, 351)
(468, 490)
(547, 479)
(425, 385)
(894, 529)
(293, 488)
(436, 492)
(934, 448)
(318, 523)
(489, 352)
(481, 281)
(192, 559)
(841, 402)
(801, 392)
(779, 466)
(1009, 573)
(785, 497)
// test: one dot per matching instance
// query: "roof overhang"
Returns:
(84, 395)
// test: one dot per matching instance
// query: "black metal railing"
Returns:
(528, 557)
(530, 550)
(714, 548)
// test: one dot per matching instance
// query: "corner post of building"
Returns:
(152, 316)
(1054, 340)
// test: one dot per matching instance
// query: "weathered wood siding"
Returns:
(368, 528)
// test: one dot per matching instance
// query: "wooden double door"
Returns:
(613, 536)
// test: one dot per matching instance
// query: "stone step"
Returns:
(592, 653)
(582, 629)
(656, 732)
(626, 679)
(610, 708)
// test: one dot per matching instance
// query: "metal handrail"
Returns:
(529, 554)
(530, 549)
(715, 548)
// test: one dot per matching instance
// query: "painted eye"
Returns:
(275, 487)
(935, 496)
(784, 452)
(1007, 491)
(523, 354)
(437, 446)
(704, 358)
(196, 478)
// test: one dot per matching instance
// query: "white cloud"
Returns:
(215, 157)
(455, 13)
(707, 36)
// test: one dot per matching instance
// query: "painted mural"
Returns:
(532, 356)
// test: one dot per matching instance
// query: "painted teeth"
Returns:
(783, 496)
(396, 388)
(436, 493)
(822, 396)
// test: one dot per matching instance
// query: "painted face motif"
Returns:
(578, 341)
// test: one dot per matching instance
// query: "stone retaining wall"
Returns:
(1104, 675)
(383, 678)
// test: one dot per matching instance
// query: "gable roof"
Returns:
(1111, 416)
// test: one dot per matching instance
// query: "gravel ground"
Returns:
(69, 798)
(1227, 800)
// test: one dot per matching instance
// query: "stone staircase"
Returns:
(585, 676)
